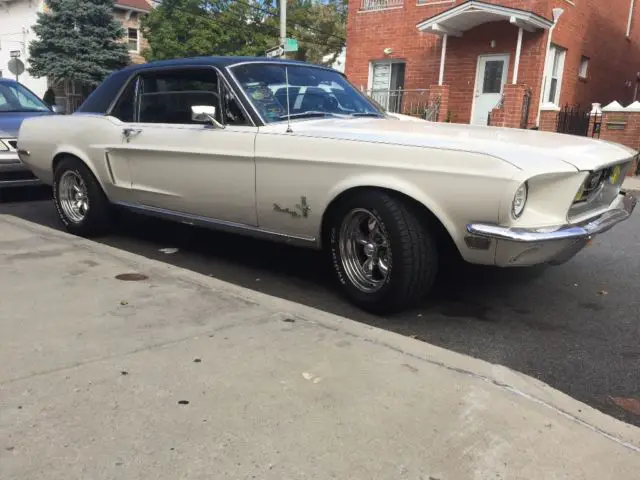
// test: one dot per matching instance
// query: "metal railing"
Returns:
(576, 121)
(416, 103)
(372, 5)
(524, 113)
(70, 103)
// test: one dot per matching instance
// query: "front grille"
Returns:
(598, 190)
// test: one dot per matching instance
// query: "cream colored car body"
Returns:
(278, 183)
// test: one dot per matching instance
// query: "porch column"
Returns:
(517, 61)
(442, 57)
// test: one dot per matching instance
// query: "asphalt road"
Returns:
(575, 327)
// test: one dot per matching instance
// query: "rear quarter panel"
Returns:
(86, 136)
(457, 187)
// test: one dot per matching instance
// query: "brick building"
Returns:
(477, 55)
(129, 13)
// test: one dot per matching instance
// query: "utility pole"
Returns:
(283, 24)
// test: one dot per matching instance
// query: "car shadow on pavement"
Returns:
(540, 321)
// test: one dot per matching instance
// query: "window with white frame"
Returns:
(133, 40)
(553, 74)
(386, 81)
(387, 75)
(584, 67)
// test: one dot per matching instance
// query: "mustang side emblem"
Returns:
(300, 210)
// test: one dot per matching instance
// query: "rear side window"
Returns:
(101, 98)
(167, 96)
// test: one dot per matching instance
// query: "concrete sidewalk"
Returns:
(181, 376)
(632, 183)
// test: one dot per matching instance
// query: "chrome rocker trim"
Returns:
(220, 225)
(556, 245)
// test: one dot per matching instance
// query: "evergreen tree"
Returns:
(78, 41)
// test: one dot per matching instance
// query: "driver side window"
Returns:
(167, 96)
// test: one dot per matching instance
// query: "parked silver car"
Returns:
(17, 102)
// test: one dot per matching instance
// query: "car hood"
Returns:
(529, 150)
(10, 122)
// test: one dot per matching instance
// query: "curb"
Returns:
(503, 378)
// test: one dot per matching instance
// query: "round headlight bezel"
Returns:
(517, 208)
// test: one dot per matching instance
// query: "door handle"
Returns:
(131, 132)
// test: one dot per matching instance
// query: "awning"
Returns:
(456, 20)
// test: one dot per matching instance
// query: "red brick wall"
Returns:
(440, 92)
(510, 115)
(462, 60)
(595, 28)
(624, 128)
(369, 33)
(621, 127)
(548, 120)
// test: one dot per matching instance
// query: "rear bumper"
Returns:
(14, 173)
(555, 245)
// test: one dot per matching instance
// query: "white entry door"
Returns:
(490, 80)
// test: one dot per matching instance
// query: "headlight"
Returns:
(519, 200)
(3, 146)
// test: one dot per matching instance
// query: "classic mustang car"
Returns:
(218, 142)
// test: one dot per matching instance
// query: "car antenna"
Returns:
(286, 81)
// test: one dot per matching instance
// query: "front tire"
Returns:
(382, 252)
(82, 206)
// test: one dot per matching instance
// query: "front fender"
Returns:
(405, 187)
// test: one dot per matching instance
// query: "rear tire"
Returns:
(382, 252)
(82, 206)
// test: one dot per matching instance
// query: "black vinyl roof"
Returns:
(102, 97)
(220, 62)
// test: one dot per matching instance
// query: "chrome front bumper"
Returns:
(14, 173)
(554, 245)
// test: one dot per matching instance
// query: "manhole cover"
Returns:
(131, 277)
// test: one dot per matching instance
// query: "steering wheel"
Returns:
(331, 104)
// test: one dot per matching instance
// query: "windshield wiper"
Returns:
(366, 114)
(313, 113)
(22, 110)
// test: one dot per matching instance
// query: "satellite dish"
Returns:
(16, 66)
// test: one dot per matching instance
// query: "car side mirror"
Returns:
(205, 114)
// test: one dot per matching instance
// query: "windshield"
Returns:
(16, 98)
(313, 92)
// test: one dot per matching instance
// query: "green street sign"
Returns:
(290, 45)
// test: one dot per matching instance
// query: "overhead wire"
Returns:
(276, 13)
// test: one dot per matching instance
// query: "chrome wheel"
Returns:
(364, 250)
(74, 200)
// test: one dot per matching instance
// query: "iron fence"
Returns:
(576, 121)
(597, 123)
(70, 103)
(524, 113)
(416, 103)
